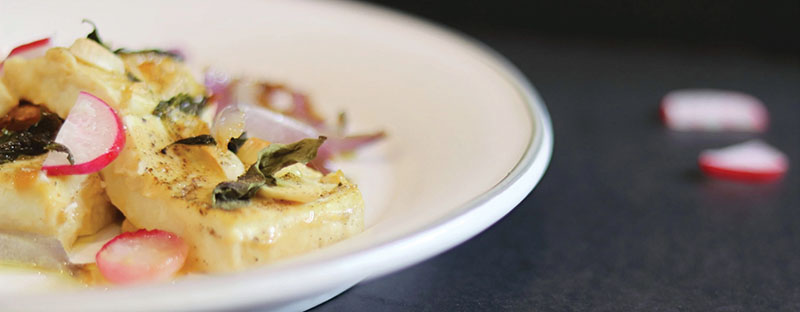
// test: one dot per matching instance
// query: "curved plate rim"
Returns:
(245, 286)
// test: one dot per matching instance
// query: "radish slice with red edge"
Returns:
(29, 50)
(92, 132)
(713, 110)
(142, 256)
(753, 161)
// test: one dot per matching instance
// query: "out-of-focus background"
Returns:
(623, 220)
(769, 24)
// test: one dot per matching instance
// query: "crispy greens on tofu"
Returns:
(29, 130)
(172, 174)
(234, 194)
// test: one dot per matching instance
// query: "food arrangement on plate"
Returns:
(200, 177)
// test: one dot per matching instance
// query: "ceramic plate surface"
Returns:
(469, 138)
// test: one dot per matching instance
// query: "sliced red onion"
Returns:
(37, 250)
(266, 121)
(337, 145)
(302, 110)
(220, 86)
(275, 127)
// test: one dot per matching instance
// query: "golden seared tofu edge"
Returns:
(172, 190)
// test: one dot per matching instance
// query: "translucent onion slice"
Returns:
(36, 250)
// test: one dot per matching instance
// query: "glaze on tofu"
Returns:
(169, 190)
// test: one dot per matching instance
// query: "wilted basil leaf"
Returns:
(233, 194)
(203, 139)
(150, 51)
(236, 143)
(182, 102)
(94, 36)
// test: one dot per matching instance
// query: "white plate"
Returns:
(468, 136)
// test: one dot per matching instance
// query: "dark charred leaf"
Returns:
(203, 139)
(27, 141)
(182, 102)
(131, 77)
(94, 36)
(150, 51)
(233, 194)
(235, 143)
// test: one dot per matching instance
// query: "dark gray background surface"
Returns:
(623, 220)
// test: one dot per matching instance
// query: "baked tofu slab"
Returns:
(171, 190)
(63, 207)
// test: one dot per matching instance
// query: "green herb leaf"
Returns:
(30, 141)
(236, 143)
(203, 139)
(182, 102)
(58, 147)
(94, 35)
(233, 194)
(277, 156)
(150, 51)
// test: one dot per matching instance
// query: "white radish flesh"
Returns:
(142, 256)
(713, 110)
(92, 132)
(753, 161)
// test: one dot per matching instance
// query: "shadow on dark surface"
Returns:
(769, 25)
(622, 221)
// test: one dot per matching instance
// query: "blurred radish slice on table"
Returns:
(713, 110)
(753, 161)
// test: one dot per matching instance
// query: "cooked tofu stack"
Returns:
(171, 190)
(58, 207)
(63, 207)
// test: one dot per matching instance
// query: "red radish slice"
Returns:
(713, 110)
(749, 161)
(94, 135)
(142, 256)
(29, 50)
